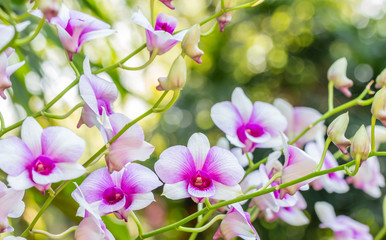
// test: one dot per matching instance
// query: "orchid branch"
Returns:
(55, 236)
(63, 116)
(201, 222)
(373, 120)
(203, 228)
(151, 59)
(2, 125)
(326, 145)
(357, 165)
(330, 95)
(31, 37)
(137, 222)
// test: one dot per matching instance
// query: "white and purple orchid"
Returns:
(12, 206)
(199, 171)
(236, 223)
(249, 126)
(332, 182)
(41, 156)
(299, 118)
(75, 28)
(160, 38)
(345, 228)
(92, 226)
(6, 71)
(130, 146)
(120, 192)
(98, 95)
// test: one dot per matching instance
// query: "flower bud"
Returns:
(337, 74)
(190, 44)
(176, 77)
(378, 109)
(381, 79)
(336, 131)
(226, 17)
(50, 8)
(168, 3)
(360, 146)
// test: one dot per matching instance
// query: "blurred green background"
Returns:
(277, 49)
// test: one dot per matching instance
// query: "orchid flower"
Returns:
(6, 71)
(41, 156)
(12, 206)
(92, 226)
(337, 75)
(98, 95)
(160, 38)
(249, 126)
(236, 223)
(242, 157)
(130, 146)
(332, 182)
(344, 228)
(168, 3)
(75, 28)
(199, 172)
(120, 192)
(299, 118)
(7, 32)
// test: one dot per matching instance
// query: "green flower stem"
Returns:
(223, 5)
(334, 111)
(330, 95)
(151, 59)
(176, 93)
(200, 223)
(2, 125)
(199, 207)
(244, 197)
(273, 178)
(137, 222)
(55, 236)
(357, 165)
(377, 154)
(251, 164)
(117, 64)
(38, 114)
(255, 166)
(76, 71)
(254, 214)
(373, 120)
(64, 116)
(381, 234)
(4, 16)
(203, 228)
(207, 203)
(22, 41)
(210, 31)
(320, 164)
(152, 13)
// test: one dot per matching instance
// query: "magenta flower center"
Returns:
(43, 165)
(103, 103)
(201, 180)
(113, 195)
(252, 129)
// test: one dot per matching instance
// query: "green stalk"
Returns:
(151, 59)
(31, 37)
(320, 164)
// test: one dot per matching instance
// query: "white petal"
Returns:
(176, 191)
(141, 20)
(199, 146)
(31, 133)
(242, 103)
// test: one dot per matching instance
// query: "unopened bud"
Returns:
(176, 77)
(336, 131)
(50, 8)
(168, 3)
(190, 44)
(360, 146)
(381, 79)
(337, 74)
(226, 17)
(378, 109)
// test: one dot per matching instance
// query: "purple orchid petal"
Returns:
(175, 164)
(168, 3)
(163, 41)
(11, 69)
(199, 146)
(21, 181)
(226, 117)
(223, 166)
(62, 145)
(165, 23)
(11, 206)
(135, 175)
(206, 192)
(269, 117)
(140, 201)
(15, 156)
(176, 190)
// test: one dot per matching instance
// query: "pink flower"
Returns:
(161, 37)
(75, 28)
(332, 182)
(41, 157)
(199, 171)
(6, 71)
(98, 95)
(12, 206)
(92, 226)
(249, 126)
(168, 3)
(299, 118)
(120, 192)
(344, 228)
(236, 223)
(130, 146)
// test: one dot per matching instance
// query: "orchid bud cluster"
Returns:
(228, 180)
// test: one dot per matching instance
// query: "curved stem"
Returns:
(377, 154)
(330, 95)
(273, 178)
(203, 228)
(357, 165)
(250, 162)
(55, 236)
(255, 166)
(210, 31)
(76, 71)
(200, 223)
(2, 125)
(380, 234)
(326, 145)
(207, 203)
(151, 59)
(199, 207)
(64, 116)
(172, 101)
(373, 120)
(31, 37)
(137, 222)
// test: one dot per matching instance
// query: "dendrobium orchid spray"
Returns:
(125, 178)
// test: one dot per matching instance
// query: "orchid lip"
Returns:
(201, 180)
(113, 195)
(43, 165)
